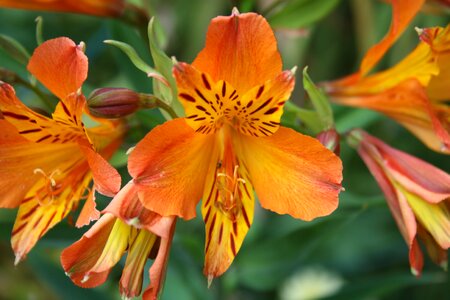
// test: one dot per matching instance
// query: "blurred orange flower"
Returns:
(413, 91)
(50, 162)
(126, 226)
(231, 142)
(417, 193)
(90, 7)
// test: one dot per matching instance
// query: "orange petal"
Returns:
(402, 14)
(60, 65)
(240, 49)
(416, 175)
(89, 212)
(89, 261)
(227, 208)
(158, 269)
(106, 179)
(408, 104)
(171, 160)
(262, 106)
(33, 126)
(203, 99)
(292, 173)
(400, 210)
(127, 206)
(133, 273)
(91, 7)
(437, 254)
(415, 258)
(33, 161)
(35, 217)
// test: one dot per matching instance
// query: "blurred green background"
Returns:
(357, 248)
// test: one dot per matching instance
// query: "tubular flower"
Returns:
(50, 162)
(418, 195)
(105, 8)
(413, 91)
(126, 226)
(231, 142)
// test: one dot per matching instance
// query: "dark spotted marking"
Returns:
(18, 229)
(187, 97)
(15, 116)
(66, 110)
(262, 105)
(47, 225)
(224, 89)
(30, 131)
(201, 96)
(30, 212)
(199, 107)
(220, 233)
(192, 117)
(206, 82)
(271, 111)
(232, 245)
(43, 138)
(260, 91)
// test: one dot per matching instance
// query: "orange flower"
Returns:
(126, 226)
(105, 8)
(413, 91)
(50, 162)
(417, 193)
(231, 142)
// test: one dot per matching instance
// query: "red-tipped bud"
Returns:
(113, 103)
(330, 138)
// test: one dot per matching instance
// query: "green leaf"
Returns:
(301, 13)
(135, 59)
(14, 49)
(39, 25)
(319, 100)
(164, 65)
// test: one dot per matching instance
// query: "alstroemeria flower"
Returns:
(111, 8)
(418, 195)
(231, 142)
(47, 164)
(126, 226)
(413, 91)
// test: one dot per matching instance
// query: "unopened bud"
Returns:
(113, 103)
(330, 138)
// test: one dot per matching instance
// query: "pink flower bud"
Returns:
(330, 138)
(113, 102)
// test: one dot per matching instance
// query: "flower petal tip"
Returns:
(415, 272)
(82, 46)
(210, 280)
(235, 12)
(18, 259)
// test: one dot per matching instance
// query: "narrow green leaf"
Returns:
(301, 13)
(135, 59)
(39, 35)
(14, 49)
(164, 65)
(308, 117)
(319, 100)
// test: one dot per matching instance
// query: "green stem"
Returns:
(151, 101)
(47, 102)
(13, 78)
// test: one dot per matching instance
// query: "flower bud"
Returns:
(330, 138)
(113, 103)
